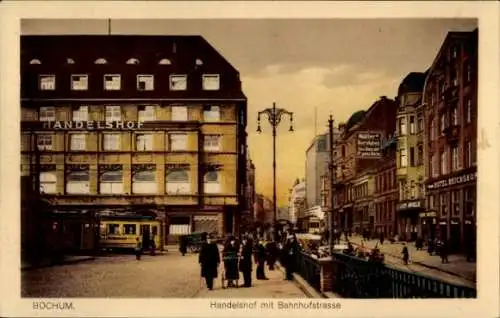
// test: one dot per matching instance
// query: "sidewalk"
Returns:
(275, 287)
(457, 266)
(69, 259)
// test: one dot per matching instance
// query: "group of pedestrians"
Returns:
(238, 255)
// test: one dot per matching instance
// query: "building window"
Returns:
(111, 182)
(47, 82)
(420, 125)
(132, 61)
(145, 82)
(470, 200)
(402, 126)
(112, 82)
(211, 82)
(178, 82)
(420, 155)
(211, 142)
(443, 204)
(434, 166)
(403, 160)
(444, 165)
(78, 182)
(100, 61)
(165, 62)
(111, 141)
(211, 183)
(468, 110)
(413, 190)
(455, 202)
(468, 72)
(179, 113)
(468, 154)
(198, 62)
(144, 142)
(79, 82)
(442, 124)
(433, 129)
(402, 190)
(412, 125)
(454, 116)
(455, 164)
(47, 114)
(146, 113)
(442, 88)
(113, 229)
(412, 157)
(177, 180)
(48, 182)
(430, 202)
(129, 229)
(35, 61)
(178, 142)
(44, 141)
(113, 113)
(81, 113)
(77, 141)
(211, 113)
(144, 181)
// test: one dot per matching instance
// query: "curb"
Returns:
(65, 262)
(303, 285)
(429, 266)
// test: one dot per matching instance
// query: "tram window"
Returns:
(129, 229)
(155, 230)
(113, 229)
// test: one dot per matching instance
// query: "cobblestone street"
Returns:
(167, 275)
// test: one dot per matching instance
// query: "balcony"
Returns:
(452, 133)
(451, 94)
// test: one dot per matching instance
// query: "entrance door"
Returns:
(145, 236)
(76, 234)
(455, 237)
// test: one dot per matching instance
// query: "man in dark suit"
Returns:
(209, 260)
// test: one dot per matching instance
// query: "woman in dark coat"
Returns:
(246, 262)
(290, 253)
(209, 260)
(230, 256)
(260, 260)
(183, 244)
(272, 254)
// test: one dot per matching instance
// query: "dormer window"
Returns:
(47, 82)
(164, 62)
(199, 62)
(211, 82)
(112, 82)
(133, 61)
(101, 61)
(70, 61)
(79, 82)
(35, 61)
(145, 82)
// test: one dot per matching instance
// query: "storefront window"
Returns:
(455, 202)
(470, 200)
(443, 204)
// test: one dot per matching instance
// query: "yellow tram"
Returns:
(121, 233)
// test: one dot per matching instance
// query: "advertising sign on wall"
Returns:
(368, 145)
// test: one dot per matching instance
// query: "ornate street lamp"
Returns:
(274, 116)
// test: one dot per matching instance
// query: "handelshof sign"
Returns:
(453, 181)
(91, 125)
(368, 144)
(409, 205)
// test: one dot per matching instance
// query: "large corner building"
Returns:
(145, 124)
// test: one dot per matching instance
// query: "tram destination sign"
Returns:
(93, 125)
(453, 181)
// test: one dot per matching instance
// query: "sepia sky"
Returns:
(336, 66)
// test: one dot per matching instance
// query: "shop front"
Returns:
(428, 225)
(408, 219)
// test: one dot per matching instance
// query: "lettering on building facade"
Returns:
(415, 204)
(93, 125)
(368, 145)
(453, 181)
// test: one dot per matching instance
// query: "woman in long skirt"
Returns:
(230, 256)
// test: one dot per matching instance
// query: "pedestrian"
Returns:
(183, 244)
(382, 238)
(419, 244)
(272, 254)
(246, 261)
(406, 255)
(230, 256)
(209, 260)
(138, 248)
(260, 259)
(443, 252)
(430, 246)
(152, 247)
(291, 251)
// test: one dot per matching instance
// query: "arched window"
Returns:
(144, 181)
(111, 182)
(101, 61)
(70, 61)
(35, 61)
(164, 62)
(133, 61)
(48, 182)
(177, 180)
(211, 181)
(78, 182)
(199, 62)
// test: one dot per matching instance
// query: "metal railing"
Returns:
(354, 277)
(309, 269)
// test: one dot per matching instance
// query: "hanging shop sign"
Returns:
(429, 214)
(453, 181)
(415, 204)
(93, 125)
(368, 145)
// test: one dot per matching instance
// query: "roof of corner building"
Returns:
(413, 82)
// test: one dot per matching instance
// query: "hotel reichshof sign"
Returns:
(453, 181)
(93, 125)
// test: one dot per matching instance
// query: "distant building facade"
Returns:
(316, 166)
(296, 201)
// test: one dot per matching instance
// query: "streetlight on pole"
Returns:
(332, 169)
(274, 116)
